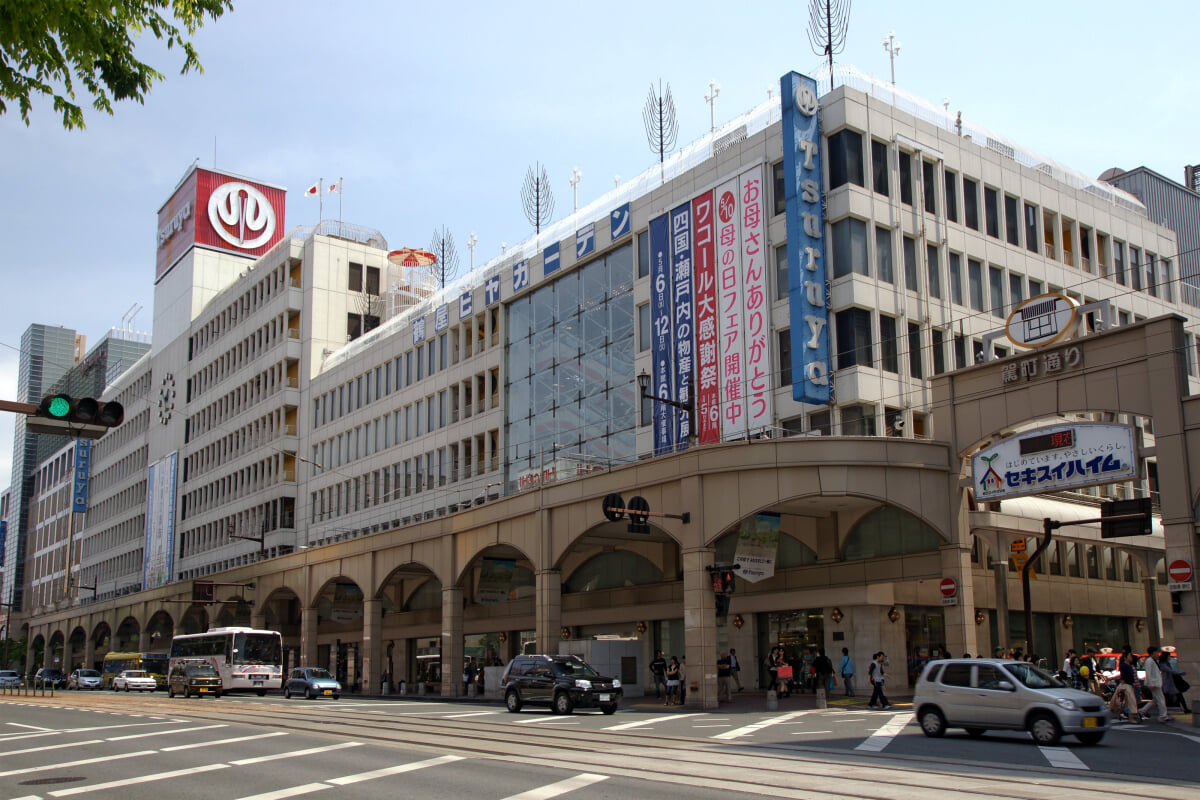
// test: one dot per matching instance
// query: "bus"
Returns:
(155, 665)
(246, 659)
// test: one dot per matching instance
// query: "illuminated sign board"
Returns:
(1054, 459)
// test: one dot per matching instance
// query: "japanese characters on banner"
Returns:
(806, 240)
(585, 241)
(731, 303)
(684, 314)
(760, 406)
(550, 259)
(441, 318)
(708, 384)
(1055, 458)
(491, 291)
(660, 321)
(464, 304)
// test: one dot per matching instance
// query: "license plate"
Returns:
(604, 698)
(1091, 722)
(203, 690)
(329, 691)
(258, 683)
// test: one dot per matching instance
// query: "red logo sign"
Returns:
(949, 587)
(725, 208)
(1179, 571)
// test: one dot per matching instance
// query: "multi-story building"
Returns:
(796, 289)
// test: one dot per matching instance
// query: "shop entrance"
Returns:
(800, 633)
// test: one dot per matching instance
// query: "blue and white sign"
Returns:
(619, 222)
(418, 329)
(663, 379)
(684, 317)
(520, 275)
(158, 560)
(585, 241)
(464, 305)
(491, 291)
(550, 259)
(806, 239)
(441, 318)
(1055, 458)
(83, 468)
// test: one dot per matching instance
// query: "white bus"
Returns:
(245, 658)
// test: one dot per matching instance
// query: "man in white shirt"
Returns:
(1154, 683)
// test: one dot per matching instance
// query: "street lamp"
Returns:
(643, 380)
(893, 49)
(471, 242)
(576, 177)
(714, 89)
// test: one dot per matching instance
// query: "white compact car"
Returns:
(137, 680)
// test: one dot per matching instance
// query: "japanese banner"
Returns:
(684, 317)
(760, 408)
(661, 348)
(731, 349)
(708, 401)
(1055, 458)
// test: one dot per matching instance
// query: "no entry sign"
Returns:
(949, 587)
(1179, 576)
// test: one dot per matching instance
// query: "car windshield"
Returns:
(257, 648)
(135, 673)
(574, 669)
(7, 673)
(319, 675)
(88, 673)
(1106, 663)
(201, 671)
(1033, 677)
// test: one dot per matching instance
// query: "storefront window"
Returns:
(924, 637)
(889, 531)
(799, 633)
(612, 571)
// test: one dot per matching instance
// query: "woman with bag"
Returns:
(1173, 684)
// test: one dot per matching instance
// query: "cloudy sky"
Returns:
(432, 113)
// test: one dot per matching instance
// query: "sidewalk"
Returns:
(752, 701)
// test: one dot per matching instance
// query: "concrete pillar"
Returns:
(89, 651)
(373, 663)
(452, 641)
(700, 628)
(400, 668)
(1153, 613)
(961, 633)
(308, 637)
(143, 640)
(548, 613)
(1000, 572)
(258, 619)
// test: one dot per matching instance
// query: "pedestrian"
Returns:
(1154, 683)
(846, 668)
(658, 670)
(724, 678)
(1065, 672)
(823, 669)
(672, 682)
(773, 669)
(808, 675)
(877, 677)
(735, 667)
(682, 679)
(468, 675)
(1124, 701)
(1173, 683)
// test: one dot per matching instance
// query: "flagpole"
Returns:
(321, 201)
(341, 191)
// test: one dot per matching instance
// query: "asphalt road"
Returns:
(101, 745)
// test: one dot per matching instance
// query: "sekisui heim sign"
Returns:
(1053, 459)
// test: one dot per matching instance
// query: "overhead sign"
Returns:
(1179, 575)
(1042, 320)
(1094, 454)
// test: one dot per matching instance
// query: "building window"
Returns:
(1016, 289)
(1151, 286)
(888, 532)
(849, 247)
(644, 334)
(858, 420)
(879, 167)
(996, 283)
(1031, 231)
(932, 271)
(888, 360)
(845, 158)
(853, 328)
(939, 351)
(883, 255)
(373, 281)
(975, 281)
(991, 211)
(643, 249)
(910, 264)
(906, 183)
(971, 204)
(1093, 562)
(930, 187)
(916, 365)
(951, 181)
(1012, 222)
(1135, 267)
(1035, 287)
(960, 351)
(785, 357)
(956, 284)
(1119, 262)
(355, 283)
(779, 188)
(819, 422)
(781, 274)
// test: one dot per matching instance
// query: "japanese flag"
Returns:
(313, 190)
(334, 187)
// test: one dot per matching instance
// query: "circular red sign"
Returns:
(1179, 571)
(949, 587)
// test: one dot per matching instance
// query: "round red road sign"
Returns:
(949, 587)
(1179, 571)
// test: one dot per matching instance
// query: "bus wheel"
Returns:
(262, 692)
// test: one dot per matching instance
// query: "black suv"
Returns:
(50, 677)
(562, 682)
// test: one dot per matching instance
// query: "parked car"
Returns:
(85, 679)
(136, 679)
(983, 694)
(198, 679)
(563, 683)
(50, 677)
(312, 682)
(9, 679)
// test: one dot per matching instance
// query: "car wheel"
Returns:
(512, 701)
(933, 724)
(217, 694)
(1044, 730)
(310, 694)
(127, 688)
(337, 697)
(171, 692)
(262, 692)
(287, 693)
(975, 733)
(609, 708)
(1090, 738)
(563, 703)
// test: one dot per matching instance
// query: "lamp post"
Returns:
(714, 89)
(576, 177)
(893, 49)
(471, 242)
(643, 380)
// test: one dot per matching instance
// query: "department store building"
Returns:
(411, 475)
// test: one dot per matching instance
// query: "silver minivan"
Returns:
(978, 694)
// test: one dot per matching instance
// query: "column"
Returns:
(452, 641)
(1153, 613)
(999, 565)
(308, 637)
(144, 640)
(89, 651)
(549, 610)
(373, 663)
(961, 633)
(258, 619)
(700, 628)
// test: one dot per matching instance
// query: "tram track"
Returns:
(789, 771)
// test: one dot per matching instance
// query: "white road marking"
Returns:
(293, 753)
(31, 727)
(624, 726)
(162, 733)
(580, 781)
(468, 714)
(223, 741)
(158, 776)
(808, 733)
(746, 730)
(15, 736)
(79, 763)
(309, 788)
(536, 720)
(293, 791)
(49, 747)
(1063, 758)
(883, 736)
(718, 725)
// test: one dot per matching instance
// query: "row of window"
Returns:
(253, 435)
(120, 533)
(267, 472)
(260, 342)
(257, 295)
(254, 390)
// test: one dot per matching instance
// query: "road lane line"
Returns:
(580, 781)
(60, 765)
(746, 730)
(223, 741)
(158, 776)
(31, 727)
(396, 770)
(883, 736)
(536, 720)
(49, 747)
(162, 733)
(468, 714)
(808, 733)
(1062, 758)
(242, 762)
(624, 726)
(294, 791)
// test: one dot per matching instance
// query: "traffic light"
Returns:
(81, 418)
(1138, 520)
(722, 605)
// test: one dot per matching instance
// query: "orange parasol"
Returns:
(412, 257)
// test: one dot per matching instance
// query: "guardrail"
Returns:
(33, 688)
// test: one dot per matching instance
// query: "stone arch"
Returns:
(796, 548)
(487, 574)
(56, 641)
(401, 583)
(126, 637)
(101, 637)
(658, 547)
(888, 532)
(193, 620)
(161, 628)
(281, 612)
(76, 648)
(339, 602)
(235, 612)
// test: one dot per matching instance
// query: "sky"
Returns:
(431, 114)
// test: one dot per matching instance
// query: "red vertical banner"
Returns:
(708, 379)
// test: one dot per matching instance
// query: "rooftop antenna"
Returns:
(537, 198)
(662, 127)
(442, 246)
(125, 316)
(827, 24)
(714, 89)
(134, 314)
(893, 49)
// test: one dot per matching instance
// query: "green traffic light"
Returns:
(60, 407)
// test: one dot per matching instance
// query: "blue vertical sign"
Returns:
(465, 305)
(682, 291)
(520, 275)
(550, 259)
(618, 222)
(83, 468)
(660, 322)
(491, 291)
(585, 241)
(806, 239)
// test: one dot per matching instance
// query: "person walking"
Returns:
(1124, 701)
(846, 668)
(773, 669)
(724, 679)
(672, 682)
(1173, 683)
(1154, 683)
(877, 678)
(823, 668)
(735, 667)
(658, 670)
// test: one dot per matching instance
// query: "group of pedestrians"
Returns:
(670, 678)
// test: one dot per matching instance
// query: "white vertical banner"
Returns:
(159, 548)
(760, 406)
(731, 305)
